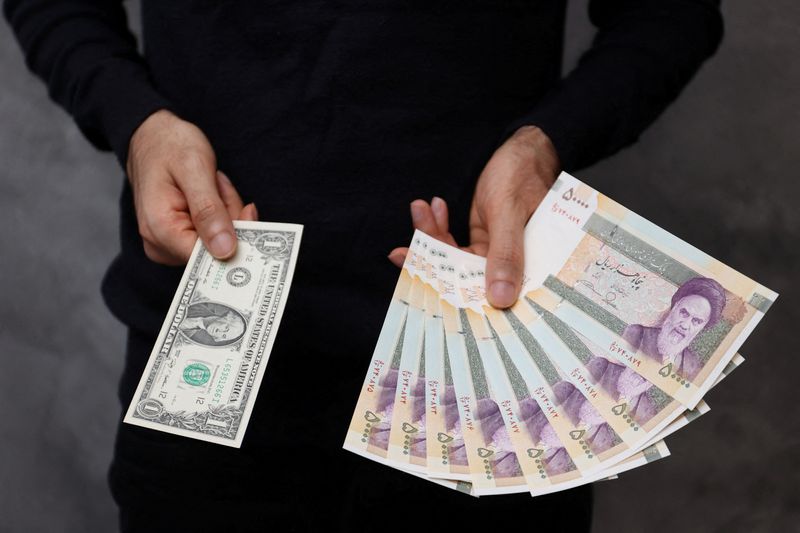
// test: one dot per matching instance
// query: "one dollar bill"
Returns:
(203, 375)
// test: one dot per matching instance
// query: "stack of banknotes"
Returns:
(620, 330)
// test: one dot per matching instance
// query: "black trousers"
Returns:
(166, 483)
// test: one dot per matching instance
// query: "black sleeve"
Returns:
(85, 53)
(644, 53)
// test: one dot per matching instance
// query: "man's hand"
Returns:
(179, 193)
(511, 186)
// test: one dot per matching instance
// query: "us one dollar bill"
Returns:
(203, 375)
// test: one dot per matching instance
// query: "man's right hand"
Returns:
(179, 193)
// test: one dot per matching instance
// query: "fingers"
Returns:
(432, 219)
(165, 226)
(249, 212)
(230, 197)
(504, 261)
(398, 256)
(423, 218)
(440, 214)
(178, 193)
(209, 214)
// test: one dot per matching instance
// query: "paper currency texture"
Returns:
(619, 331)
(203, 374)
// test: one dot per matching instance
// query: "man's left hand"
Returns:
(511, 186)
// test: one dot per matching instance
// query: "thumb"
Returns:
(504, 261)
(209, 214)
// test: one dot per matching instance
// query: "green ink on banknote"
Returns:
(636, 249)
(196, 374)
(533, 348)
(707, 342)
(474, 358)
(610, 321)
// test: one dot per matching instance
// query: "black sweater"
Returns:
(336, 114)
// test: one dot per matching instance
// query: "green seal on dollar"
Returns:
(196, 374)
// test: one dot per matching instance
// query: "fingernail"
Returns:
(224, 176)
(502, 293)
(437, 204)
(221, 245)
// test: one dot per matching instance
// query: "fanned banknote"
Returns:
(491, 456)
(620, 330)
(205, 369)
(647, 299)
(370, 429)
(407, 436)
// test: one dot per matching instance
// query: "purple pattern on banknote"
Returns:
(379, 434)
(599, 435)
(456, 450)
(504, 460)
(696, 305)
(418, 440)
(556, 458)
(619, 381)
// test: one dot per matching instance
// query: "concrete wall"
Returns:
(719, 169)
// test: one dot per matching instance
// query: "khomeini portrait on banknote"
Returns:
(696, 306)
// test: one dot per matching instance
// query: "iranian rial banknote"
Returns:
(492, 457)
(647, 299)
(407, 437)
(371, 426)
(620, 330)
(205, 369)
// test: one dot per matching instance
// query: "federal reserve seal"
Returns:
(238, 277)
(196, 374)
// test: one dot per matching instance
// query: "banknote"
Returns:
(407, 437)
(524, 412)
(617, 413)
(649, 300)
(502, 421)
(446, 454)
(659, 414)
(205, 369)
(543, 456)
(624, 404)
(492, 457)
(619, 331)
(370, 426)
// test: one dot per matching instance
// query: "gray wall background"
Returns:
(719, 169)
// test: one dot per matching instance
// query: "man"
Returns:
(336, 115)
(696, 306)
